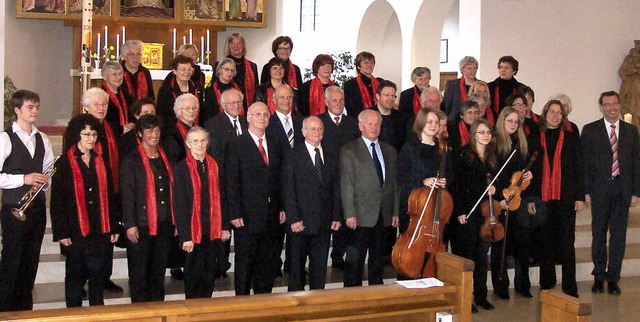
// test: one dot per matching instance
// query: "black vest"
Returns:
(21, 162)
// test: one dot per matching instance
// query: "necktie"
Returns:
(289, 130)
(319, 165)
(337, 119)
(263, 152)
(235, 126)
(615, 170)
(376, 163)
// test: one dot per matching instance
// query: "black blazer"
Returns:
(221, 131)
(405, 105)
(598, 156)
(336, 136)
(451, 101)
(305, 197)
(253, 188)
(353, 98)
(276, 129)
(173, 143)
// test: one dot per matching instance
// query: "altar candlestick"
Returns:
(123, 33)
(98, 48)
(208, 40)
(628, 117)
(184, 40)
(117, 46)
(174, 40)
(106, 37)
(202, 50)
(190, 36)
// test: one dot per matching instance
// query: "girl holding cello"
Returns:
(471, 165)
(509, 137)
(561, 186)
(418, 163)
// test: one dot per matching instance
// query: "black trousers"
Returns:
(254, 258)
(147, 262)
(525, 232)
(222, 259)
(339, 243)
(560, 234)
(21, 242)
(610, 212)
(314, 246)
(281, 234)
(86, 258)
(466, 242)
(499, 277)
(361, 240)
(199, 269)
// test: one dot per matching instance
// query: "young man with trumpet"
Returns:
(25, 154)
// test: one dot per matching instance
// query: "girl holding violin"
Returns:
(560, 184)
(471, 165)
(509, 137)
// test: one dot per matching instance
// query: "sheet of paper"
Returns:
(421, 283)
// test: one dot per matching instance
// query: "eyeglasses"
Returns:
(189, 69)
(264, 115)
(232, 103)
(314, 129)
(285, 97)
(90, 135)
(389, 95)
(284, 48)
(134, 54)
(199, 141)
(228, 70)
(517, 104)
(190, 109)
(512, 121)
(484, 133)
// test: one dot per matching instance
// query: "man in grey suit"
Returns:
(369, 198)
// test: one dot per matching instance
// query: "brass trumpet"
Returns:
(28, 197)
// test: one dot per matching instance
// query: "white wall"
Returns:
(38, 56)
(575, 47)
(450, 31)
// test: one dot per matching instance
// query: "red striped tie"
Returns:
(263, 152)
(615, 169)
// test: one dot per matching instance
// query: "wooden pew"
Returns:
(556, 306)
(370, 303)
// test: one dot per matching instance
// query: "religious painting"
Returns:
(204, 10)
(148, 9)
(48, 9)
(100, 7)
(245, 13)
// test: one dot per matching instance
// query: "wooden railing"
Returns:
(369, 303)
(556, 306)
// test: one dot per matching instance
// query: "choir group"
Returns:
(268, 158)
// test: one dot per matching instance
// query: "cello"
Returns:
(492, 229)
(429, 210)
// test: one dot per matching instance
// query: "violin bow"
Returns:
(490, 184)
(426, 204)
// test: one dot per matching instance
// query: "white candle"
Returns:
(117, 46)
(628, 118)
(208, 41)
(98, 48)
(123, 33)
(106, 37)
(202, 50)
(174, 39)
(184, 40)
(190, 36)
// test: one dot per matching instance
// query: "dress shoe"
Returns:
(177, 274)
(502, 294)
(598, 287)
(474, 309)
(112, 287)
(483, 303)
(524, 293)
(613, 288)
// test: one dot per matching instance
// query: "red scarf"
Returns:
(78, 189)
(417, 105)
(192, 87)
(120, 103)
(534, 118)
(496, 99)
(249, 82)
(215, 213)
(142, 90)
(182, 129)
(316, 97)
(216, 91)
(551, 179)
(364, 92)
(464, 133)
(152, 210)
(291, 77)
(463, 91)
(271, 103)
(114, 159)
(568, 126)
(488, 115)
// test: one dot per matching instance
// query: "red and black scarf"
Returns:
(142, 91)
(249, 82)
(78, 189)
(152, 210)
(270, 103)
(534, 118)
(463, 90)
(292, 80)
(316, 97)
(464, 133)
(215, 213)
(417, 105)
(364, 92)
(496, 99)
(488, 115)
(114, 159)
(182, 129)
(551, 178)
(121, 103)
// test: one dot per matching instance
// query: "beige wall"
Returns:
(37, 56)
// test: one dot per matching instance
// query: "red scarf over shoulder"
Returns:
(364, 92)
(316, 97)
(114, 158)
(120, 103)
(551, 178)
(152, 209)
(249, 82)
(142, 91)
(215, 213)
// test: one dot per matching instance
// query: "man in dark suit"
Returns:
(312, 202)
(222, 128)
(252, 170)
(369, 198)
(339, 129)
(612, 171)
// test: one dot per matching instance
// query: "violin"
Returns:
(429, 210)
(492, 229)
(517, 185)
